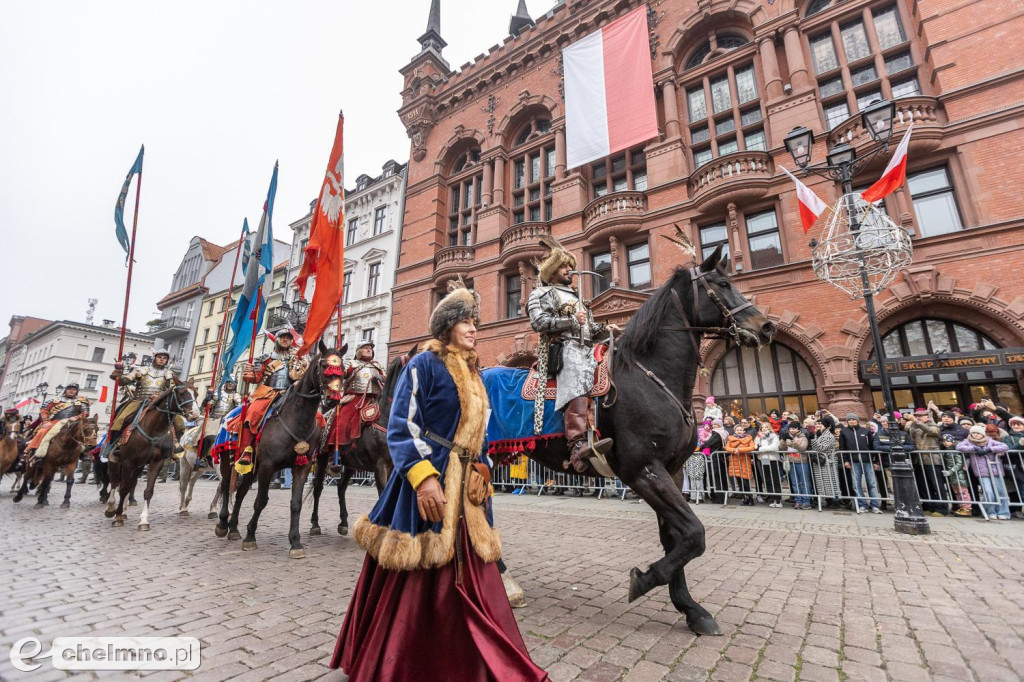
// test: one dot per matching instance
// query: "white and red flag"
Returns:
(895, 173)
(811, 205)
(609, 90)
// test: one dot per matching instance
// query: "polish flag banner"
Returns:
(811, 205)
(609, 90)
(895, 173)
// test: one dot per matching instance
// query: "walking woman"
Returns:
(429, 583)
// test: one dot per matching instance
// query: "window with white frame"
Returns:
(373, 280)
(380, 216)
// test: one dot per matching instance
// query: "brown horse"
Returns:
(74, 440)
(148, 444)
(12, 444)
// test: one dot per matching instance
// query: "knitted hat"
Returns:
(852, 416)
(977, 433)
(948, 413)
(460, 304)
(559, 256)
(966, 420)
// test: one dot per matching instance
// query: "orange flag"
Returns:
(325, 251)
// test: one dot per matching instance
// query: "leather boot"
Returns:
(576, 426)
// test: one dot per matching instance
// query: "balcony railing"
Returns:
(521, 241)
(737, 177)
(453, 259)
(295, 314)
(923, 112)
(619, 207)
(172, 326)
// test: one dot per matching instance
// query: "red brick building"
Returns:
(488, 176)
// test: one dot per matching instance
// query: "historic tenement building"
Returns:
(488, 176)
(373, 229)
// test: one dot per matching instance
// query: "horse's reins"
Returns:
(178, 409)
(294, 388)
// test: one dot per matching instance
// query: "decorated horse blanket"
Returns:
(510, 429)
(227, 440)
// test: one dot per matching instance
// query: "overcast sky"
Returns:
(217, 91)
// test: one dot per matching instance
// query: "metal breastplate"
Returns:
(148, 386)
(68, 412)
(221, 407)
(365, 379)
(569, 303)
(279, 380)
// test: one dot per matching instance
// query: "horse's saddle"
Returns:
(602, 378)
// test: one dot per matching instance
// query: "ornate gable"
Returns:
(617, 306)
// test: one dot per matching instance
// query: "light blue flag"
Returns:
(258, 266)
(120, 231)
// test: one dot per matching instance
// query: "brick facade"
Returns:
(945, 64)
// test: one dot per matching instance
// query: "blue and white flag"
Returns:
(120, 230)
(258, 265)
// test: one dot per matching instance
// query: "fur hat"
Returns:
(559, 256)
(460, 304)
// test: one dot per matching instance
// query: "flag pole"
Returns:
(127, 297)
(220, 335)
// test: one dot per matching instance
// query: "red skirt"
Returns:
(405, 626)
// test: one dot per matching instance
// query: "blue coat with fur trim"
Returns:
(429, 396)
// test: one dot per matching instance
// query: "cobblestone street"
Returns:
(800, 595)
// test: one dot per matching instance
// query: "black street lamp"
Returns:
(841, 165)
(41, 389)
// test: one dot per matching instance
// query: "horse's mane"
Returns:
(644, 328)
(394, 370)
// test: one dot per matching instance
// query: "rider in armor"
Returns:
(142, 384)
(567, 331)
(364, 381)
(220, 404)
(68, 407)
(274, 373)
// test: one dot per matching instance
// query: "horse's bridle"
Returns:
(178, 409)
(731, 328)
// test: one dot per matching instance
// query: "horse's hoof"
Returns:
(516, 598)
(315, 530)
(104, 498)
(293, 553)
(65, 505)
(636, 590)
(234, 535)
(39, 505)
(183, 512)
(133, 503)
(342, 529)
(212, 515)
(18, 498)
(249, 545)
(117, 523)
(220, 532)
(143, 526)
(705, 625)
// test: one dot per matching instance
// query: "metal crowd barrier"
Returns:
(943, 482)
(529, 477)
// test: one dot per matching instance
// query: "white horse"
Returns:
(190, 472)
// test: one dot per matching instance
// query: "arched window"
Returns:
(938, 336)
(746, 382)
(464, 196)
(717, 43)
(818, 6)
(533, 171)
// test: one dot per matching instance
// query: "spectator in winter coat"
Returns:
(1015, 440)
(714, 447)
(950, 434)
(739, 446)
(799, 469)
(985, 453)
(929, 462)
(775, 421)
(856, 442)
(824, 462)
(712, 410)
(767, 444)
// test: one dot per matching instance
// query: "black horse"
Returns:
(648, 414)
(293, 421)
(368, 453)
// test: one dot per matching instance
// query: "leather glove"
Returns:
(430, 500)
(479, 484)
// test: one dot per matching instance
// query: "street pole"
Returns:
(909, 516)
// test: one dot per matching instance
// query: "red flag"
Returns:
(895, 173)
(811, 206)
(325, 251)
(103, 394)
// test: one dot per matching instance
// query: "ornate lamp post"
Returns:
(860, 253)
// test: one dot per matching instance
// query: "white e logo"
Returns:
(19, 655)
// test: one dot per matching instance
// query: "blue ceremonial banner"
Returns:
(258, 265)
(122, 233)
(246, 245)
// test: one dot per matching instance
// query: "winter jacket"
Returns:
(739, 464)
(768, 447)
(986, 460)
(854, 440)
(799, 443)
(776, 424)
(883, 444)
(926, 442)
(950, 435)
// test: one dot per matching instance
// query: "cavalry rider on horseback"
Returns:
(142, 385)
(274, 373)
(220, 405)
(69, 407)
(567, 330)
(364, 380)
